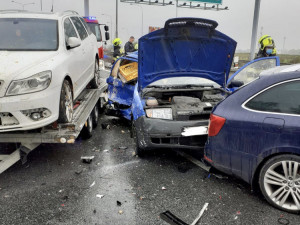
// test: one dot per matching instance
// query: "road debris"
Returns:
(100, 196)
(123, 148)
(170, 218)
(87, 159)
(93, 184)
(200, 214)
(283, 221)
(120, 212)
(79, 171)
(106, 150)
(163, 188)
(119, 203)
(105, 126)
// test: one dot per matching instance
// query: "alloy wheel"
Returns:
(282, 184)
(68, 103)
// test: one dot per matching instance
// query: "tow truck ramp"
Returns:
(54, 133)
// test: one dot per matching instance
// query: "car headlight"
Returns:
(35, 83)
(160, 113)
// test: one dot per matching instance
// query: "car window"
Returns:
(86, 26)
(69, 29)
(96, 30)
(252, 71)
(283, 98)
(28, 34)
(80, 28)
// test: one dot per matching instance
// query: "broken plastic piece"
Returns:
(105, 126)
(87, 159)
(170, 218)
(92, 184)
(100, 196)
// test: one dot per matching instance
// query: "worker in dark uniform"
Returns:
(129, 47)
(267, 47)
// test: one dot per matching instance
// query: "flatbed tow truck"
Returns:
(86, 112)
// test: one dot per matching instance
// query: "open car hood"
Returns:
(185, 47)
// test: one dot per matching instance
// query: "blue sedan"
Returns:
(254, 134)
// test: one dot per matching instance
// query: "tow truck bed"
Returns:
(57, 133)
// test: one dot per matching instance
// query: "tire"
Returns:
(279, 182)
(66, 103)
(95, 116)
(96, 82)
(138, 150)
(87, 130)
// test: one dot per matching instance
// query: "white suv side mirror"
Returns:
(73, 42)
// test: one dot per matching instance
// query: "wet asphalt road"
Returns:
(55, 187)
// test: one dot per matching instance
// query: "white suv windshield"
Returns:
(23, 34)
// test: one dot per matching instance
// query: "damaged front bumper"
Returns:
(157, 133)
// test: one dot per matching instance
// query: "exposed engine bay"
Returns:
(187, 104)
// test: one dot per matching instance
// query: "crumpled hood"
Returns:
(13, 63)
(185, 47)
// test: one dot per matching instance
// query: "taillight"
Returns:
(215, 125)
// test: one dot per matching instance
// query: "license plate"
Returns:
(194, 131)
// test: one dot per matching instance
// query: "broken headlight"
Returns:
(160, 113)
(35, 83)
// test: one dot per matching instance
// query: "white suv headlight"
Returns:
(35, 83)
(160, 113)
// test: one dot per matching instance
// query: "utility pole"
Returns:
(41, 5)
(86, 7)
(117, 12)
(254, 28)
(283, 49)
(176, 8)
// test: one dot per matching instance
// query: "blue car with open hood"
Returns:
(170, 86)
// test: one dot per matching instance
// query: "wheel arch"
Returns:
(267, 156)
(68, 78)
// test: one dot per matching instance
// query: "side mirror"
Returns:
(107, 36)
(106, 28)
(235, 84)
(73, 42)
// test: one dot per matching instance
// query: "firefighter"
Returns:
(129, 47)
(117, 49)
(267, 47)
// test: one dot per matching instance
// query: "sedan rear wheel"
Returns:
(279, 182)
(66, 103)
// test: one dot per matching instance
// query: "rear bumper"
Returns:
(157, 133)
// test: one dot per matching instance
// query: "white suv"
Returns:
(46, 60)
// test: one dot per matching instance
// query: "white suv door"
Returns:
(74, 59)
(87, 60)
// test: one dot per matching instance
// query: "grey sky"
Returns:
(279, 18)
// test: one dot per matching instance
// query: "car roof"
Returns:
(38, 15)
